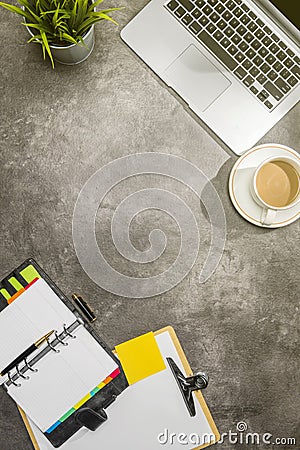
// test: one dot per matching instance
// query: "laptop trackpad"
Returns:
(196, 79)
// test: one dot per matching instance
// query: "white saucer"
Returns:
(241, 177)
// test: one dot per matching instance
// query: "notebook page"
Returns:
(63, 379)
(33, 314)
(141, 413)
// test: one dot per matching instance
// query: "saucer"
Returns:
(239, 185)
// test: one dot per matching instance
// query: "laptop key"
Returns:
(290, 53)
(247, 64)
(217, 50)
(203, 20)
(196, 13)
(259, 34)
(248, 81)
(254, 90)
(222, 24)
(218, 35)
(258, 61)
(297, 60)
(263, 52)
(232, 50)
(236, 39)
(270, 59)
(265, 68)
(285, 73)
(283, 86)
(172, 5)
(230, 5)
(273, 90)
(199, 3)
(277, 66)
(245, 19)
(240, 73)
(267, 41)
(256, 44)
(240, 57)
(211, 28)
(261, 97)
(187, 19)
(212, 2)
(296, 71)
(207, 10)
(245, 7)
(272, 75)
(241, 30)
(252, 26)
(250, 53)
(288, 63)
(195, 27)
(267, 30)
(225, 42)
(248, 37)
(229, 32)
(261, 79)
(268, 104)
(243, 46)
(292, 81)
(214, 17)
(274, 48)
(282, 45)
(281, 55)
(252, 15)
(260, 22)
(180, 12)
(187, 5)
(275, 38)
(238, 12)
(220, 8)
(254, 72)
(234, 22)
(227, 15)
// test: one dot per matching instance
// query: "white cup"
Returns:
(269, 212)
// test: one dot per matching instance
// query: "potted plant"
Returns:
(64, 28)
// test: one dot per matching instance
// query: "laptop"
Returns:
(236, 63)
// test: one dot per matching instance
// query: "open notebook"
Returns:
(63, 378)
(147, 413)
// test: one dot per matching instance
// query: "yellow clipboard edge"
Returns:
(29, 429)
(188, 371)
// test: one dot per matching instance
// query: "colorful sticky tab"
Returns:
(140, 358)
(15, 283)
(78, 405)
(5, 294)
(30, 273)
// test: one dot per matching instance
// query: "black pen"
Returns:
(26, 353)
(84, 307)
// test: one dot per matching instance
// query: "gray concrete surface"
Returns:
(57, 127)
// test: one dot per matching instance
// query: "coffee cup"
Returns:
(276, 186)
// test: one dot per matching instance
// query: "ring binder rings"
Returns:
(50, 347)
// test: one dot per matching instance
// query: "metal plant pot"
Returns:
(73, 53)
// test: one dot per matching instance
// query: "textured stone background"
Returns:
(57, 128)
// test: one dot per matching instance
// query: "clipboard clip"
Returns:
(187, 385)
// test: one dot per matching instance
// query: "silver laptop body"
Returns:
(235, 63)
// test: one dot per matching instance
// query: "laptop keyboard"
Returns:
(244, 43)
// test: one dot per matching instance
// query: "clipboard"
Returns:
(90, 412)
(199, 399)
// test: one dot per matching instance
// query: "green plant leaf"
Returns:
(69, 38)
(16, 10)
(45, 43)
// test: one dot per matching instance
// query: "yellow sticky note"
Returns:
(30, 273)
(140, 357)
